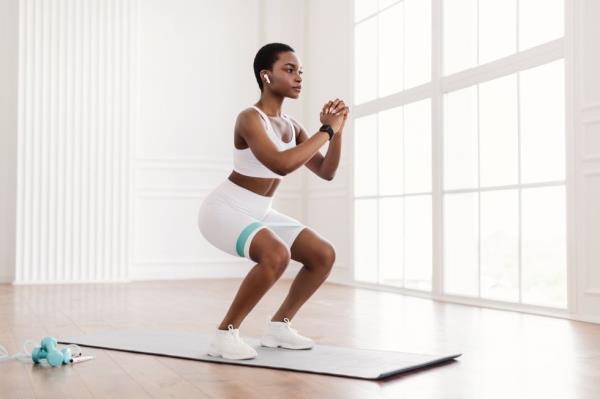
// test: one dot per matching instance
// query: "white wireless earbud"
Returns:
(267, 79)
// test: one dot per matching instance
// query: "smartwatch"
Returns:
(328, 129)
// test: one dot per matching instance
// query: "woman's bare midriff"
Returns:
(259, 185)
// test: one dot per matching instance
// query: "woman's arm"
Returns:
(332, 157)
(324, 167)
(281, 162)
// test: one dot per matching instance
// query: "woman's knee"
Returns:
(275, 259)
(324, 257)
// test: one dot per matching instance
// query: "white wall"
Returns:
(329, 75)
(9, 33)
(127, 111)
(196, 75)
(585, 173)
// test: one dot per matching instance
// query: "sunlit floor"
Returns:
(505, 354)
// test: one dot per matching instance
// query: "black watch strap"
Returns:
(328, 129)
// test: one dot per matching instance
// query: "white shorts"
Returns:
(230, 216)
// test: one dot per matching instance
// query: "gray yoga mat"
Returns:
(321, 359)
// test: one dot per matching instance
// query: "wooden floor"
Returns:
(505, 354)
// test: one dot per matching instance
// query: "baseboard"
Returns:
(234, 269)
(60, 282)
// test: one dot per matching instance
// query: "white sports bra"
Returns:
(244, 161)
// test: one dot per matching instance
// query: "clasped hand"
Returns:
(334, 114)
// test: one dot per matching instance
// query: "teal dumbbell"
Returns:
(49, 342)
(38, 353)
(56, 358)
(48, 351)
(41, 352)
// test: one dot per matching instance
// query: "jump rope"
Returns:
(48, 351)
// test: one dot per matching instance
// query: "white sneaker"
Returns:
(229, 345)
(281, 334)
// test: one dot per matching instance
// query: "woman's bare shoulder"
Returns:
(247, 116)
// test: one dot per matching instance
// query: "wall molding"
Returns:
(324, 193)
(590, 107)
(171, 194)
(167, 262)
(183, 163)
(178, 193)
(586, 122)
(591, 172)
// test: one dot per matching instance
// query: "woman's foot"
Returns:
(281, 334)
(229, 345)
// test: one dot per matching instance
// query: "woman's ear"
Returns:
(264, 74)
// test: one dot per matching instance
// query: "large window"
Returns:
(460, 134)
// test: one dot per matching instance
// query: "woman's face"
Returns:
(286, 78)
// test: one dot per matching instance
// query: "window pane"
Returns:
(540, 21)
(460, 139)
(364, 8)
(417, 242)
(385, 3)
(391, 43)
(497, 29)
(417, 147)
(498, 141)
(543, 123)
(365, 155)
(390, 152)
(391, 241)
(417, 55)
(500, 245)
(544, 246)
(365, 61)
(460, 35)
(461, 244)
(365, 240)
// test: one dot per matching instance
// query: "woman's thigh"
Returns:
(227, 228)
(284, 226)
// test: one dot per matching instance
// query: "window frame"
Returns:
(439, 85)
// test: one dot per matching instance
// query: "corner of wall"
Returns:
(9, 48)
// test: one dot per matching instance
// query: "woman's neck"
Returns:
(270, 105)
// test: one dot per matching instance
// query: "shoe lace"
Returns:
(288, 323)
(233, 333)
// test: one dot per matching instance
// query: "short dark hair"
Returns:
(266, 57)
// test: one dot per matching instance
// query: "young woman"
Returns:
(238, 216)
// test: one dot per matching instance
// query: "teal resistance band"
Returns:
(241, 241)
